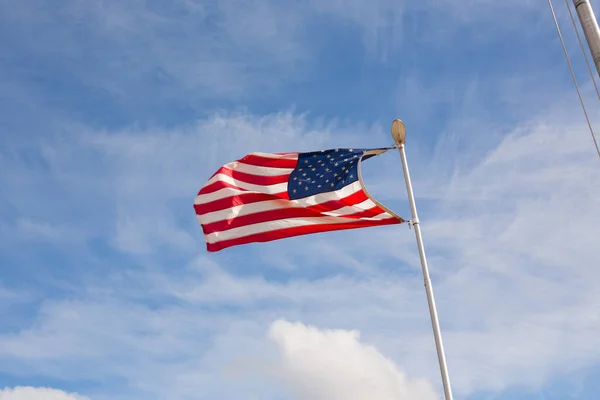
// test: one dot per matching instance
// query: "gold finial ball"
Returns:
(398, 131)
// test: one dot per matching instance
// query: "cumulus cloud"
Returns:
(37, 393)
(334, 365)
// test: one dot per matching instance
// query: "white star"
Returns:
(304, 174)
(305, 161)
(319, 186)
(336, 164)
(337, 150)
(295, 178)
(306, 188)
(332, 185)
(351, 176)
(350, 150)
(294, 190)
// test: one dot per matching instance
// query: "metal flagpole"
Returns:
(399, 135)
(590, 28)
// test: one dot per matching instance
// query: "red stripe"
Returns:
(332, 205)
(218, 185)
(265, 216)
(296, 231)
(280, 214)
(254, 179)
(268, 162)
(289, 212)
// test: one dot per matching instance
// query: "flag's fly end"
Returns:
(263, 197)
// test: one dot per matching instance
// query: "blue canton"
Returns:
(323, 171)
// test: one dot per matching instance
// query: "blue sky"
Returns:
(114, 113)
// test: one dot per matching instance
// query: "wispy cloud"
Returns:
(109, 63)
(509, 270)
(110, 128)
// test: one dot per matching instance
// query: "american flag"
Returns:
(263, 197)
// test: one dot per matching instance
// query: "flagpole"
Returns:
(588, 22)
(399, 135)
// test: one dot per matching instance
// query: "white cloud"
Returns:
(504, 223)
(509, 223)
(334, 365)
(503, 219)
(37, 393)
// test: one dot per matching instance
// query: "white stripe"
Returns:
(290, 156)
(270, 226)
(375, 152)
(246, 209)
(257, 170)
(365, 205)
(328, 196)
(219, 194)
(277, 188)
(378, 217)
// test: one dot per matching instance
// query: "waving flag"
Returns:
(264, 197)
